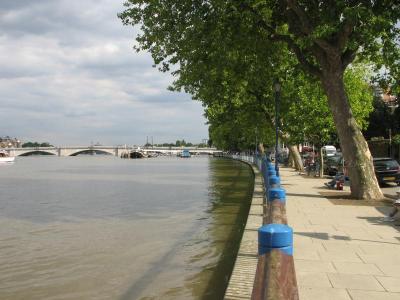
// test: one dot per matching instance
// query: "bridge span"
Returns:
(110, 150)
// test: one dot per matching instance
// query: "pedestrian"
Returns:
(340, 176)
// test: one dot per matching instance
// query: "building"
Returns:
(9, 142)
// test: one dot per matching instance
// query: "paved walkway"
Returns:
(342, 250)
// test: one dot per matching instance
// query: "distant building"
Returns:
(390, 100)
(9, 142)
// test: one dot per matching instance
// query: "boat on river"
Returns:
(6, 158)
(184, 153)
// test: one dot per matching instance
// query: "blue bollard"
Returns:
(276, 193)
(274, 181)
(271, 172)
(275, 236)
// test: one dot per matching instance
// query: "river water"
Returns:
(99, 227)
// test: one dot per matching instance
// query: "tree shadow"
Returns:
(377, 221)
(323, 236)
(305, 195)
(327, 237)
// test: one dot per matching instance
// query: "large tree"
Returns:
(308, 118)
(324, 36)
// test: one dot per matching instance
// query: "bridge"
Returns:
(107, 150)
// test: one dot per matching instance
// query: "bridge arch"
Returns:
(136, 154)
(36, 152)
(91, 152)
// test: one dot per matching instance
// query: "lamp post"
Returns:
(256, 152)
(277, 89)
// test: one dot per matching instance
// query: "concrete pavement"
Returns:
(342, 249)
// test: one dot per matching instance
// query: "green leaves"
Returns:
(227, 53)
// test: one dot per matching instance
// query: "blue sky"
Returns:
(69, 76)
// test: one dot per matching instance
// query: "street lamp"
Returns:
(277, 89)
(256, 142)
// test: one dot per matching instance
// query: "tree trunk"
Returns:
(321, 163)
(363, 182)
(261, 149)
(290, 160)
(298, 163)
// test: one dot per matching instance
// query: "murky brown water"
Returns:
(106, 228)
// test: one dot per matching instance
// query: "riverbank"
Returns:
(242, 278)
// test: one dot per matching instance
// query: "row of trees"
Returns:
(384, 121)
(227, 54)
(35, 144)
(178, 143)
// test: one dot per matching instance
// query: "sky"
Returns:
(69, 76)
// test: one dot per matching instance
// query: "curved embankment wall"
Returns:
(264, 272)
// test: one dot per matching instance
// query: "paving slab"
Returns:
(340, 256)
(307, 293)
(389, 269)
(315, 266)
(313, 279)
(352, 281)
(391, 284)
(371, 295)
(357, 268)
(380, 258)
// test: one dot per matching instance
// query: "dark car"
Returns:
(333, 164)
(387, 170)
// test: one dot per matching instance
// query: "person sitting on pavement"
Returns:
(331, 184)
(338, 177)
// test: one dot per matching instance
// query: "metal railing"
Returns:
(275, 275)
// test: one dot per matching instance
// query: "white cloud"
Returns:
(69, 76)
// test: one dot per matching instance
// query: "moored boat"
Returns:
(6, 158)
(184, 153)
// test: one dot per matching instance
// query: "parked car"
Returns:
(329, 150)
(387, 170)
(333, 164)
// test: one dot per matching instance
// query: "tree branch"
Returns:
(268, 114)
(307, 66)
(347, 57)
(305, 24)
(344, 34)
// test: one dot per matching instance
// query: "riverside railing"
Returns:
(275, 277)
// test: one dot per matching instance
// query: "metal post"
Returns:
(390, 142)
(256, 142)
(277, 88)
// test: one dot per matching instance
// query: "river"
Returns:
(100, 227)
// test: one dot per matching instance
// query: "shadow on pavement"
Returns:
(327, 237)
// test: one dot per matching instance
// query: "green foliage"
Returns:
(308, 117)
(182, 143)
(179, 143)
(227, 53)
(239, 129)
(396, 139)
(35, 144)
(360, 93)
